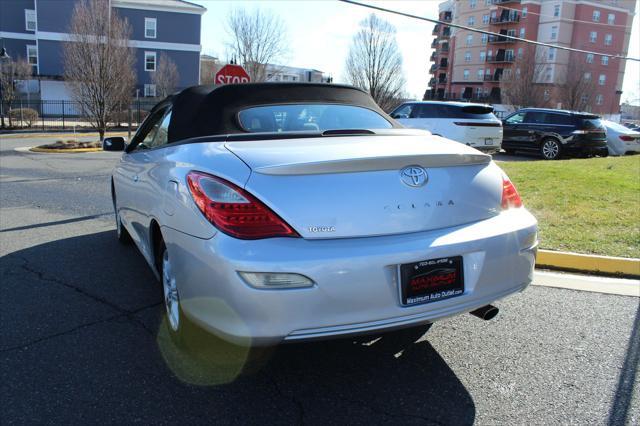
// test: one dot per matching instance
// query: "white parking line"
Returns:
(619, 286)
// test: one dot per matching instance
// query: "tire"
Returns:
(175, 319)
(121, 232)
(604, 153)
(550, 149)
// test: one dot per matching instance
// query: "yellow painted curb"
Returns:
(588, 263)
(62, 151)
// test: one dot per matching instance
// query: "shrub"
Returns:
(28, 115)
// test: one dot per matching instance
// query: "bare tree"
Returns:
(523, 86)
(374, 62)
(166, 77)
(578, 86)
(11, 72)
(98, 64)
(256, 39)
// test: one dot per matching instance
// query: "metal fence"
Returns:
(24, 114)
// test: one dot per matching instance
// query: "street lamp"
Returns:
(4, 57)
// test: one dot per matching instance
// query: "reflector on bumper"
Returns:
(267, 280)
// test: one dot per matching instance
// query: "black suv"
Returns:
(553, 133)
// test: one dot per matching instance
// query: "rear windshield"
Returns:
(453, 111)
(590, 123)
(618, 127)
(309, 117)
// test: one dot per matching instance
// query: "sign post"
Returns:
(232, 74)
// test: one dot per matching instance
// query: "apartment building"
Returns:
(478, 62)
(36, 30)
(283, 73)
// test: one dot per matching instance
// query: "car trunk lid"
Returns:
(352, 186)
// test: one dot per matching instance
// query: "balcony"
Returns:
(434, 43)
(436, 29)
(444, 63)
(442, 80)
(432, 58)
(500, 58)
(501, 40)
(498, 20)
(446, 33)
(433, 69)
(447, 17)
(432, 82)
(504, 1)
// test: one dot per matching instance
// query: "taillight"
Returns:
(626, 138)
(233, 210)
(510, 196)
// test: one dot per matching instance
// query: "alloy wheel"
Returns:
(171, 299)
(550, 149)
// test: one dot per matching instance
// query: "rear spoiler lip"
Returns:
(354, 165)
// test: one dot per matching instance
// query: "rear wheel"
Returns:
(510, 151)
(171, 296)
(550, 149)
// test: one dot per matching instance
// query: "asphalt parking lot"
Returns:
(82, 338)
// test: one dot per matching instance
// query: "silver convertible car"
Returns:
(289, 212)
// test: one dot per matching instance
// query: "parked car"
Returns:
(471, 124)
(554, 133)
(620, 139)
(632, 126)
(287, 212)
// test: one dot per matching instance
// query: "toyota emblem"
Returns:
(415, 176)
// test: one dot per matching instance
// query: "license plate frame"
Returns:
(488, 141)
(431, 280)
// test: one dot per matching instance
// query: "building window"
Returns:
(602, 79)
(507, 73)
(469, 40)
(587, 76)
(30, 19)
(524, 12)
(611, 18)
(589, 58)
(467, 56)
(608, 38)
(605, 60)
(596, 16)
(472, 4)
(517, 72)
(485, 19)
(552, 54)
(150, 27)
(546, 95)
(32, 57)
(522, 32)
(149, 61)
(548, 75)
(465, 75)
(478, 92)
(480, 74)
(599, 99)
(487, 2)
(593, 36)
(584, 99)
(520, 52)
(554, 32)
(150, 90)
(483, 56)
(556, 10)
(471, 21)
(484, 38)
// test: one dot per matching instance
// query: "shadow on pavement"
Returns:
(82, 339)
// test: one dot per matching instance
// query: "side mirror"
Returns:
(115, 143)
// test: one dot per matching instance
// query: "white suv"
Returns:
(470, 124)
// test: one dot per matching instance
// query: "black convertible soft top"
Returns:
(213, 110)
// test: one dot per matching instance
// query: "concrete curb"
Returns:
(588, 263)
(63, 151)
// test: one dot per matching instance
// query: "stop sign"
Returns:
(230, 74)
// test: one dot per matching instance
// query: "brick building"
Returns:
(476, 63)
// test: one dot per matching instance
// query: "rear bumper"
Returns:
(357, 289)
(581, 143)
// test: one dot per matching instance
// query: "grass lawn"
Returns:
(585, 206)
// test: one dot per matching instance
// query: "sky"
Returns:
(320, 32)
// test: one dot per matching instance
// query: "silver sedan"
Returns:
(289, 212)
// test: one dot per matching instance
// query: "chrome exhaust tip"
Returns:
(486, 312)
